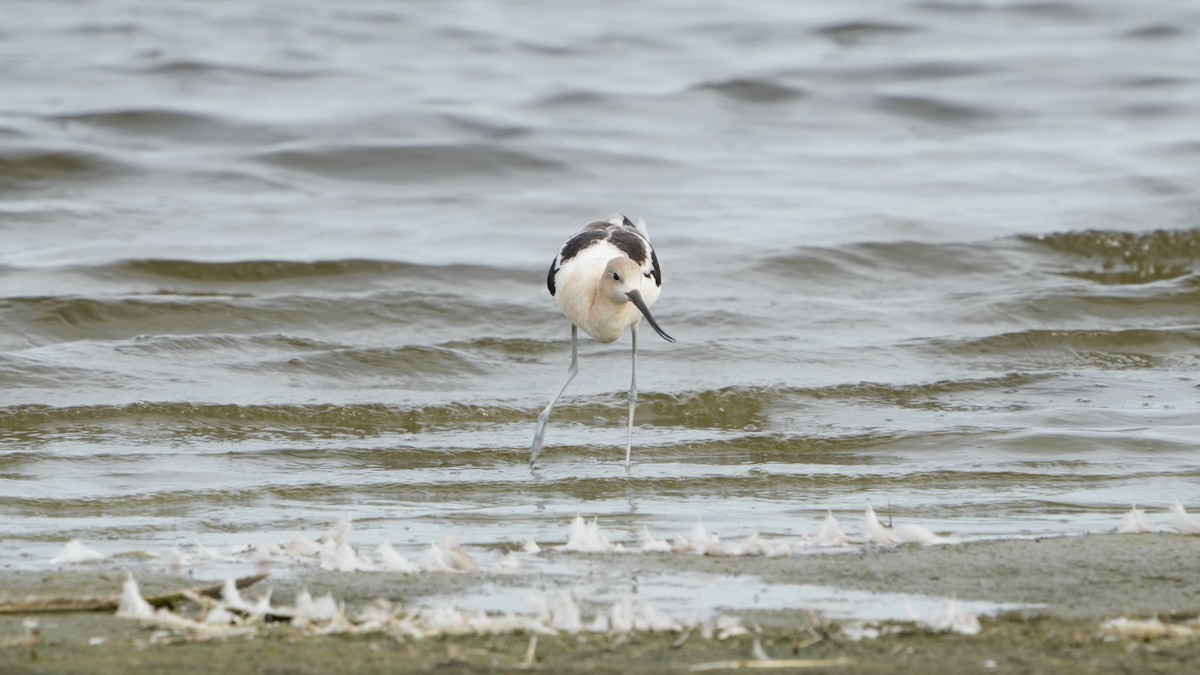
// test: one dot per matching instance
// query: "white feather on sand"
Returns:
(202, 630)
(1135, 522)
(554, 613)
(951, 617)
(560, 612)
(586, 537)
(392, 560)
(875, 532)
(647, 617)
(906, 533)
(375, 616)
(339, 533)
(338, 556)
(726, 627)
(702, 542)
(755, 545)
(1182, 522)
(328, 618)
(220, 615)
(318, 613)
(261, 607)
(448, 556)
(1149, 629)
(621, 619)
(133, 605)
(232, 598)
(76, 552)
(303, 609)
(207, 554)
(831, 533)
(911, 533)
(564, 613)
(699, 542)
(303, 547)
(265, 552)
(649, 544)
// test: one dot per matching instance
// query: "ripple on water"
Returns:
(34, 168)
(935, 110)
(1118, 258)
(218, 315)
(256, 271)
(754, 90)
(1042, 349)
(55, 318)
(406, 163)
(175, 125)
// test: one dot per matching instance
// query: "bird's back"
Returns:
(579, 265)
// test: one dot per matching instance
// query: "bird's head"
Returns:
(622, 282)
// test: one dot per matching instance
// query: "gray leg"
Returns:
(539, 435)
(633, 332)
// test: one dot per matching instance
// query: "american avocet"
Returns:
(604, 278)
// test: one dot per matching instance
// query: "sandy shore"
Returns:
(1078, 582)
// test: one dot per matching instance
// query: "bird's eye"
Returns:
(616, 277)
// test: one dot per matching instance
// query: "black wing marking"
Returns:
(577, 243)
(624, 236)
(571, 249)
(631, 244)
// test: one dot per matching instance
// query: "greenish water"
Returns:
(263, 267)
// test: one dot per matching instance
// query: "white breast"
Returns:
(597, 316)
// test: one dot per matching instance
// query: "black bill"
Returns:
(636, 298)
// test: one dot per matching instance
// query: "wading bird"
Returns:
(604, 278)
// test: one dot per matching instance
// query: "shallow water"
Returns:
(262, 267)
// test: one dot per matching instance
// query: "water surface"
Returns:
(263, 265)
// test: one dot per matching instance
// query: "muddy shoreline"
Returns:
(1078, 582)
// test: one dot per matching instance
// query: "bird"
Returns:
(605, 278)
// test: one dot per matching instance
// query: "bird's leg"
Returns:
(633, 332)
(538, 435)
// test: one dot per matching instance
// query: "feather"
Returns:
(76, 552)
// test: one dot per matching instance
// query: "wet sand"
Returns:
(1080, 581)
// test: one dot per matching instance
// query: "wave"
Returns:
(935, 110)
(396, 363)
(18, 371)
(259, 271)
(577, 98)
(1110, 350)
(1044, 9)
(30, 167)
(1126, 257)
(197, 68)
(753, 90)
(175, 125)
(391, 162)
(730, 407)
(267, 419)
(889, 260)
(858, 32)
(1155, 31)
(100, 318)
(740, 407)
(1107, 258)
